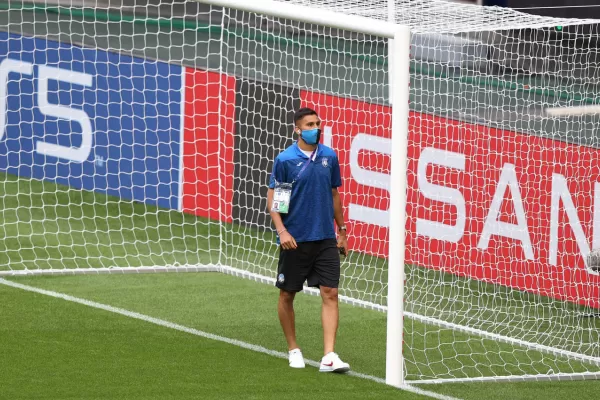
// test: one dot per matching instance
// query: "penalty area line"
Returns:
(196, 332)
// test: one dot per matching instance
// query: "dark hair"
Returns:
(303, 112)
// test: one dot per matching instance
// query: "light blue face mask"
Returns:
(311, 136)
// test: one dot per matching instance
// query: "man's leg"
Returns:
(285, 309)
(329, 317)
(330, 362)
(326, 276)
(291, 274)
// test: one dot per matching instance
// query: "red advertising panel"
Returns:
(498, 206)
(208, 145)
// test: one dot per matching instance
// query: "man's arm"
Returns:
(286, 240)
(338, 211)
(278, 175)
(338, 215)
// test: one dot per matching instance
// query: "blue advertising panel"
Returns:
(90, 119)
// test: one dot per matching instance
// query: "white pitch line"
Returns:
(207, 335)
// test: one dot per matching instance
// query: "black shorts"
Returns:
(316, 262)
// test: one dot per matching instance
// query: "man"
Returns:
(303, 201)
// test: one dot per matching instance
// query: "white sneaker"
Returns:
(332, 363)
(296, 359)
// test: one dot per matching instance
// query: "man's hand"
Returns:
(342, 244)
(287, 241)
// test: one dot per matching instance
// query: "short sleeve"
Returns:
(336, 177)
(278, 173)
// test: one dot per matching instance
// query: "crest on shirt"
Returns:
(324, 162)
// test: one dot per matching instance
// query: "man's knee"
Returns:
(286, 297)
(329, 294)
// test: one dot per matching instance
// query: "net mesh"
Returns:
(190, 104)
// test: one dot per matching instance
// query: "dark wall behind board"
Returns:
(264, 128)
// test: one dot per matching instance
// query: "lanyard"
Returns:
(304, 166)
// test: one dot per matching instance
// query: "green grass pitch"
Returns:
(54, 349)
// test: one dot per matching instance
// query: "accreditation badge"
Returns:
(281, 198)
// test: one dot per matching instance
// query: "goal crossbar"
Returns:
(306, 14)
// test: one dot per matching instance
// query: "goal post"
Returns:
(400, 82)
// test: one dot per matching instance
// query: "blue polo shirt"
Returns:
(310, 215)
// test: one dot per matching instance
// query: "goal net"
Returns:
(143, 137)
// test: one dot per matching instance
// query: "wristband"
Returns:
(281, 231)
(342, 228)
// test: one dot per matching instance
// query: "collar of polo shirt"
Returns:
(300, 151)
